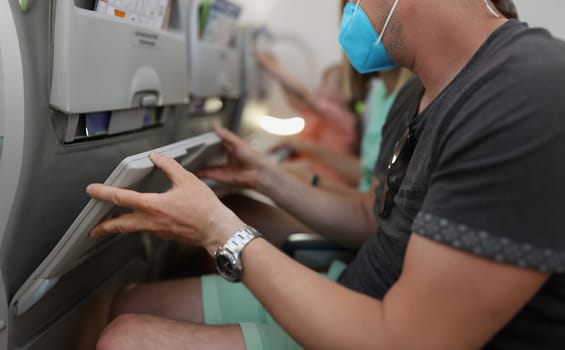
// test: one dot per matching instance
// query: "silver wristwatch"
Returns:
(228, 262)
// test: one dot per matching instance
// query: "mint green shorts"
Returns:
(233, 303)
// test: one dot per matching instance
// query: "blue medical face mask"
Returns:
(361, 43)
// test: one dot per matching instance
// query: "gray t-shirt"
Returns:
(487, 176)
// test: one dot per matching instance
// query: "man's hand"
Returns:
(245, 165)
(189, 211)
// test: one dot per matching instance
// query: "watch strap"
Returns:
(228, 262)
(240, 239)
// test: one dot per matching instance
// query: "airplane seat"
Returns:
(215, 77)
(83, 97)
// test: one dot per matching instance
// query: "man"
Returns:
(469, 251)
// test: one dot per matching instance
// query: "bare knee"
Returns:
(175, 299)
(122, 303)
(120, 333)
(146, 332)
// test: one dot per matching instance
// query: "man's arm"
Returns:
(341, 214)
(345, 164)
(303, 170)
(444, 299)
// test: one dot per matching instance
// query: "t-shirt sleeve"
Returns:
(498, 185)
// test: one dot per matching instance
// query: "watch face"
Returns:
(226, 266)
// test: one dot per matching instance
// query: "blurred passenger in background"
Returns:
(330, 123)
(358, 170)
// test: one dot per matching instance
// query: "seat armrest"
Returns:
(316, 251)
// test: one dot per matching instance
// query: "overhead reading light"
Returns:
(282, 127)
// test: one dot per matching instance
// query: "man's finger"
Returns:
(218, 173)
(230, 139)
(128, 223)
(174, 171)
(119, 196)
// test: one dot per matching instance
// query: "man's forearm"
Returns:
(337, 187)
(345, 164)
(346, 218)
(440, 301)
(341, 319)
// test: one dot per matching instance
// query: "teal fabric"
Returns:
(233, 303)
(379, 106)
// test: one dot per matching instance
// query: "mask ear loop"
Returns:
(491, 10)
(386, 22)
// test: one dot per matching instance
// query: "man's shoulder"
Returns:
(519, 75)
(519, 50)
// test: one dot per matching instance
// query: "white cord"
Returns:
(387, 21)
(491, 10)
